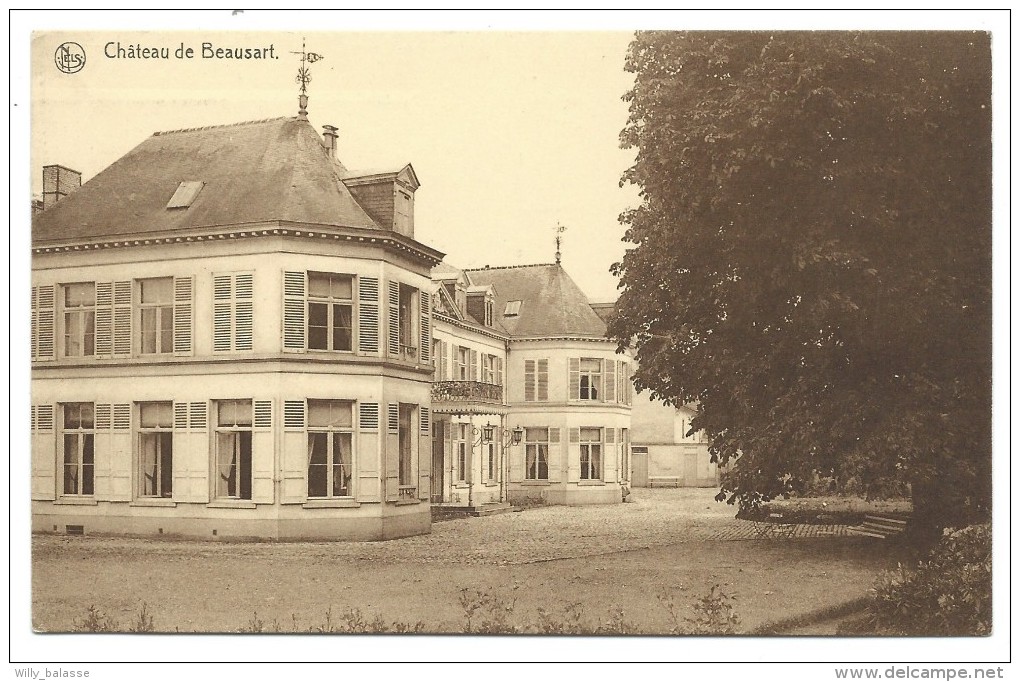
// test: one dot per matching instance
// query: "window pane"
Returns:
(234, 413)
(245, 463)
(148, 464)
(317, 464)
(72, 334)
(157, 290)
(226, 464)
(342, 286)
(342, 330)
(341, 464)
(585, 462)
(318, 323)
(543, 461)
(533, 434)
(331, 413)
(88, 464)
(591, 365)
(318, 284)
(81, 294)
(166, 460)
(148, 330)
(591, 435)
(89, 340)
(166, 329)
(531, 461)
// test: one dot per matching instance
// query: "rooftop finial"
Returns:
(559, 240)
(304, 77)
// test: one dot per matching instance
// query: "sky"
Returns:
(510, 134)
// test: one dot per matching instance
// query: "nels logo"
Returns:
(70, 57)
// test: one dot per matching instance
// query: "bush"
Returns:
(950, 593)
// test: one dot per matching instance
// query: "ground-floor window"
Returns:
(233, 449)
(591, 454)
(536, 454)
(404, 435)
(330, 448)
(460, 447)
(491, 460)
(79, 445)
(155, 449)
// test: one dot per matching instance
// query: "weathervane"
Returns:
(559, 240)
(304, 77)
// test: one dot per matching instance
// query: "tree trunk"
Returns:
(929, 518)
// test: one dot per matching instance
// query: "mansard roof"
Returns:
(551, 302)
(254, 172)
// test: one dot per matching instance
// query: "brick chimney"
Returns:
(329, 137)
(58, 182)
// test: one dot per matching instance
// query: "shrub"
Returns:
(95, 621)
(950, 593)
(714, 613)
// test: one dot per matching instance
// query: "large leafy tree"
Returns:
(812, 256)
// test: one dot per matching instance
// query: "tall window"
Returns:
(330, 311)
(405, 434)
(491, 460)
(155, 449)
(79, 440)
(80, 319)
(407, 295)
(330, 448)
(463, 360)
(157, 315)
(233, 449)
(591, 454)
(536, 454)
(591, 378)
(460, 445)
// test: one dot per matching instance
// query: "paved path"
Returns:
(656, 518)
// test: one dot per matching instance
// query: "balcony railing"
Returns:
(467, 392)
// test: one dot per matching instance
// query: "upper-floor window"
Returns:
(330, 311)
(156, 315)
(233, 311)
(79, 319)
(463, 363)
(590, 379)
(407, 295)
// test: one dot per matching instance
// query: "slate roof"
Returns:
(552, 303)
(258, 171)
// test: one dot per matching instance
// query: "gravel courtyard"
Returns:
(604, 558)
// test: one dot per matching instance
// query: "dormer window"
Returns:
(185, 194)
(512, 309)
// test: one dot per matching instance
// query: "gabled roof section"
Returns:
(551, 302)
(259, 171)
(405, 175)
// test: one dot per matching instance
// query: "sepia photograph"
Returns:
(650, 335)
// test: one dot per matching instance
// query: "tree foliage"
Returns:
(812, 256)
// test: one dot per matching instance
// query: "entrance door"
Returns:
(639, 462)
(438, 439)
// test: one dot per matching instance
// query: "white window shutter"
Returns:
(542, 381)
(223, 312)
(394, 319)
(529, 381)
(184, 306)
(368, 315)
(244, 311)
(294, 467)
(610, 374)
(104, 319)
(294, 309)
(367, 453)
(43, 327)
(122, 299)
(425, 346)
(556, 450)
(575, 379)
